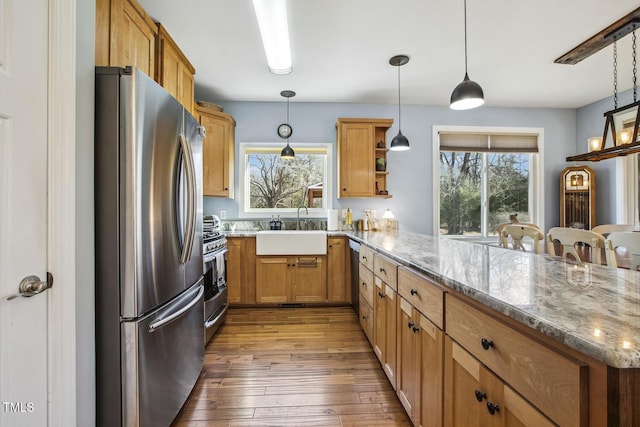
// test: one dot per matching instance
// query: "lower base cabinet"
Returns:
(291, 279)
(241, 270)
(366, 318)
(385, 331)
(477, 397)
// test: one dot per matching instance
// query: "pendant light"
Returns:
(467, 94)
(399, 142)
(285, 130)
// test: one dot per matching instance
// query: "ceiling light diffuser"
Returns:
(274, 29)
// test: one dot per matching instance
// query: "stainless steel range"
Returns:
(214, 256)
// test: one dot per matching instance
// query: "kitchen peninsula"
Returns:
(560, 337)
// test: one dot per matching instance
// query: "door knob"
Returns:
(32, 285)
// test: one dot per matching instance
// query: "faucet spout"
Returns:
(298, 222)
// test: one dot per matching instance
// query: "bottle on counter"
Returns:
(366, 222)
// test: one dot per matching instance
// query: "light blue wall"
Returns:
(410, 172)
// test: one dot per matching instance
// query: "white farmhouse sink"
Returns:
(291, 242)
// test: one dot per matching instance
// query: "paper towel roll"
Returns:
(332, 219)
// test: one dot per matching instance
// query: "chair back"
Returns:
(606, 229)
(625, 244)
(517, 232)
(570, 237)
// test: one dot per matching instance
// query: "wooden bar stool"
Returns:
(574, 242)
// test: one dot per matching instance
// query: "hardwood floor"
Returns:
(291, 367)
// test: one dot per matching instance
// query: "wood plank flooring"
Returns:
(291, 367)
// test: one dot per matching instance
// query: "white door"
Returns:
(23, 210)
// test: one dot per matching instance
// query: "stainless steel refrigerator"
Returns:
(148, 212)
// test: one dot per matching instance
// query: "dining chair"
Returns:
(518, 232)
(574, 242)
(502, 241)
(606, 229)
(623, 246)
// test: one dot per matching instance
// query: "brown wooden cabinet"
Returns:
(217, 152)
(241, 270)
(174, 72)
(384, 328)
(338, 289)
(281, 279)
(360, 143)
(366, 292)
(125, 35)
(477, 397)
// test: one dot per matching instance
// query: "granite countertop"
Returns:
(591, 308)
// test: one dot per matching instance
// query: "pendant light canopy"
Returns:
(399, 142)
(467, 94)
(287, 152)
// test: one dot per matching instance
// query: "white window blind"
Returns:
(495, 143)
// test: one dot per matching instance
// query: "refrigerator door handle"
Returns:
(190, 229)
(173, 316)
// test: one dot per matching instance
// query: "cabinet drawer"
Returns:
(366, 257)
(555, 383)
(386, 269)
(424, 295)
(366, 284)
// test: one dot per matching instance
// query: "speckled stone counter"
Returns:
(590, 308)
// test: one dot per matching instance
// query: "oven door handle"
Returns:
(210, 256)
(208, 323)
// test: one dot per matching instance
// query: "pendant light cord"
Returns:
(615, 73)
(465, 37)
(399, 116)
(635, 69)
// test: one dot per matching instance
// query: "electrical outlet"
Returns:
(223, 214)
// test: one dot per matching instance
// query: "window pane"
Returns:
(286, 184)
(460, 195)
(508, 188)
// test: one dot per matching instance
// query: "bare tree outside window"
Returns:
(285, 184)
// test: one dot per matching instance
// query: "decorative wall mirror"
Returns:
(577, 197)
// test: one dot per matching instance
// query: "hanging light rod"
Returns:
(602, 39)
(287, 152)
(467, 94)
(274, 30)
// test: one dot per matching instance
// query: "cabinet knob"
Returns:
(381, 294)
(480, 395)
(486, 344)
(344, 189)
(226, 188)
(364, 258)
(410, 325)
(330, 246)
(382, 270)
(414, 292)
(364, 284)
(415, 329)
(493, 408)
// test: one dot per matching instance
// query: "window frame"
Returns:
(243, 195)
(536, 173)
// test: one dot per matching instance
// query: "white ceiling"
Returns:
(341, 48)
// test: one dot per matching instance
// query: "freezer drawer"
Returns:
(162, 357)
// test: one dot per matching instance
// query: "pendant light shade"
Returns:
(467, 94)
(399, 142)
(287, 152)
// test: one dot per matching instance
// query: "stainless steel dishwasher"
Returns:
(354, 253)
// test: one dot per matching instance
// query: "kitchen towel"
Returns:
(332, 219)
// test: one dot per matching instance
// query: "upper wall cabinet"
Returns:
(362, 157)
(217, 152)
(174, 72)
(125, 35)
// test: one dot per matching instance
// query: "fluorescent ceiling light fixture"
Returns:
(274, 29)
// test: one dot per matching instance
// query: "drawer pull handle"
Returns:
(364, 258)
(382, 270)
(415, 329)
(364, 283)
(493, 408)
(381, 294)
(414, 292)
(480, 395)
(410, 325)
(486, 344)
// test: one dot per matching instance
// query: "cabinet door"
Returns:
(133, 37)
(175, 72)
(356, 151)
(432, 373)
(380, 320)
(337, 290)
(273, 276)
(408, 376)
(309, 279)
(241, 270)
(217, 153)
(366, 318)
(390, 358)
(462, 380)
